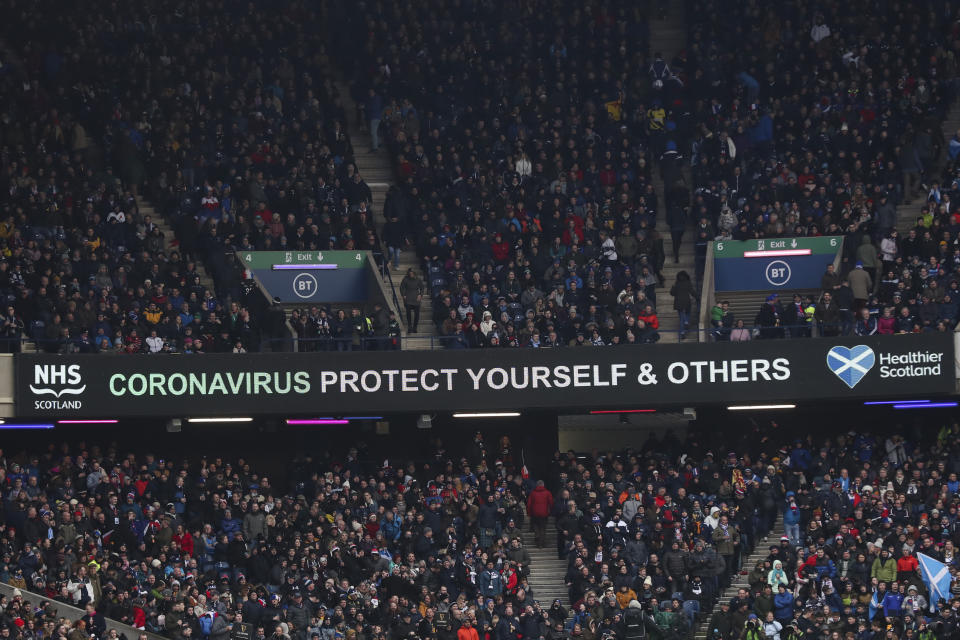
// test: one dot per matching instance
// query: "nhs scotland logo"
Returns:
(851, 364)
(57, 380)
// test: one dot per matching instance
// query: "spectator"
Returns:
(412, 289)
(861, 284)
(683, 297)
(740, 333)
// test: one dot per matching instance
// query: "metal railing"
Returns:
(786, 332)
(383, 262)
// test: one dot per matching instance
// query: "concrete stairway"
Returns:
(547, 572)
(669, 36)
(378, 172)
(760, 552)
(907, 213)
(170, 238)
(746, 304)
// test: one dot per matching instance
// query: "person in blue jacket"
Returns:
(389, 527)
(824, 566)
(783, 604)
(791, 518)
(800, 458)
(893, 602)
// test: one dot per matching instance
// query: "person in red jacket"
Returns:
(539, 506)
(907, 564)
(500, 248)
(184, 539)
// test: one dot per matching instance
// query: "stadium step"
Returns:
(170, 239)
(547, 572)
(668, 36)
(746, 304)
(907, 213)
(760, 552)
(376, 170)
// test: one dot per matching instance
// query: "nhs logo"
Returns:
(57, 380)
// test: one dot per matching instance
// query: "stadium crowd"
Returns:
(352, 545)
(526, 149)
(527, 153)
(899, 296)
(237, 141)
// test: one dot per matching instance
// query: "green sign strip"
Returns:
(257, 260)
(825, 245)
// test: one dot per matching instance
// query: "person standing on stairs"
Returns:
(539, 507)
(677, 219)
(373, 111)
(726, 537)
(393, 238)
(411, 289)
(683, 295)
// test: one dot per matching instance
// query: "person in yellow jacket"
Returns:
(656, 118)
(153, 314)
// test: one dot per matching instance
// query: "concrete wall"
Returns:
(583, 433)
(379, 291)
(6, 385)
(73, 613)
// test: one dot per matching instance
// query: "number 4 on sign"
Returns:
(358, 257)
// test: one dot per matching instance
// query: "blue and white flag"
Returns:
(936, 576)
(874, 604)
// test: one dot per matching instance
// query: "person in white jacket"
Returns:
(914, 603)
(154, 342)
(80, 588)
(772, 628)
(713, 520)
(608, 247)
(820, 30)
(487, 325)
(523, 165)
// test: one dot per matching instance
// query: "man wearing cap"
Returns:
(770, 318)
(753, 629)
(861, 284)
(297, 615)
(720, 623)
(884, 568)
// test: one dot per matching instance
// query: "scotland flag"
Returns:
(936, 576)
